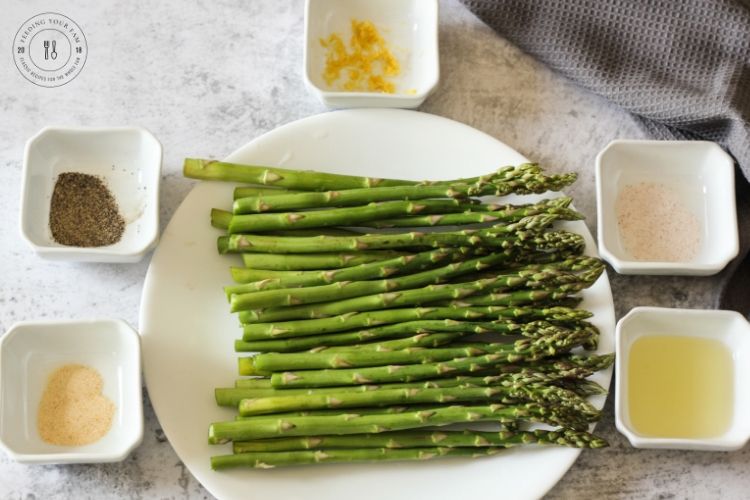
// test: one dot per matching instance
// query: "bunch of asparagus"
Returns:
(377, 309)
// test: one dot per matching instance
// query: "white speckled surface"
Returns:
(206, 77)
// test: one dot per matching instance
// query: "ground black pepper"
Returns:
(83, 212)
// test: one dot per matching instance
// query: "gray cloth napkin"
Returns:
(682, 68)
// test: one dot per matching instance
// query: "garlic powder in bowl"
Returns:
(70, 391)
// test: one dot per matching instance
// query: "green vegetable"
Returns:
(350, 321)
(367, 338)
(342, 216)
(280, 177)
(527, 287)
(565, 377)
(507, 213)
(483, 238)
(524, 393)
(350, 358)
(260, 460)
(348, 423)
(244, 191)
(344, 289)
(522, 180)
(377, 269)
(424, 330)
(528, 351)
(312, 261)
(424, 438)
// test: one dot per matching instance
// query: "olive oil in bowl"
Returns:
(680, 387)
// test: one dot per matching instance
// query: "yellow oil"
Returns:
(680, 387)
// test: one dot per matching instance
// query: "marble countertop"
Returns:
(206, 77)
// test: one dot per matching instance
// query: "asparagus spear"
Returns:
(425, 438)
(565, 284)
(567, 403)
(525, 393)
(511, 182)
(253, 383)
(462, 218)
(554, 372)
(532, 330)
(379, 266)
(427, 371)
(337, 309)
(421, 327)
(352, 321)
(507, 213)
(541, 348)
(594, 363)
(567, 373)
(398, 264)
(552, 297)
(220, 219)
(350, 216)
(335, 358)
(378, 269)
(244, 191)
(269, 460)
(313, 261)
(557, 240)
(320, 181)
(304, 404)
(348, 282)
(420, 340)
(280, 177)
(347, 423)
(249, 279)
(568, 366)
(581, 387)
(345, 289)
(272, 279)
(312, 343)
(231, 396)
(387, 410)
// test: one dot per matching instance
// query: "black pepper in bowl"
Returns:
(83, 212)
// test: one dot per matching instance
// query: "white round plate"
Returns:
(188, 332)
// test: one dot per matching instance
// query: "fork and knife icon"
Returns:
(47, 53)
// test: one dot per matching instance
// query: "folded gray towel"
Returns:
(682, 68)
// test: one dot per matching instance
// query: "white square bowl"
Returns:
(128, 159)
(702, 176)
(31, 351)
(409, 26)
(728, 327)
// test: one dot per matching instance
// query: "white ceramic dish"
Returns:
(411, 30)
(728, 327)
(129, 161)
(31, 351)
(188, 331)
(702, 176)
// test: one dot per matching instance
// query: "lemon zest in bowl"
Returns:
(367, 65)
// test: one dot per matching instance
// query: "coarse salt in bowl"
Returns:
(666, 207)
